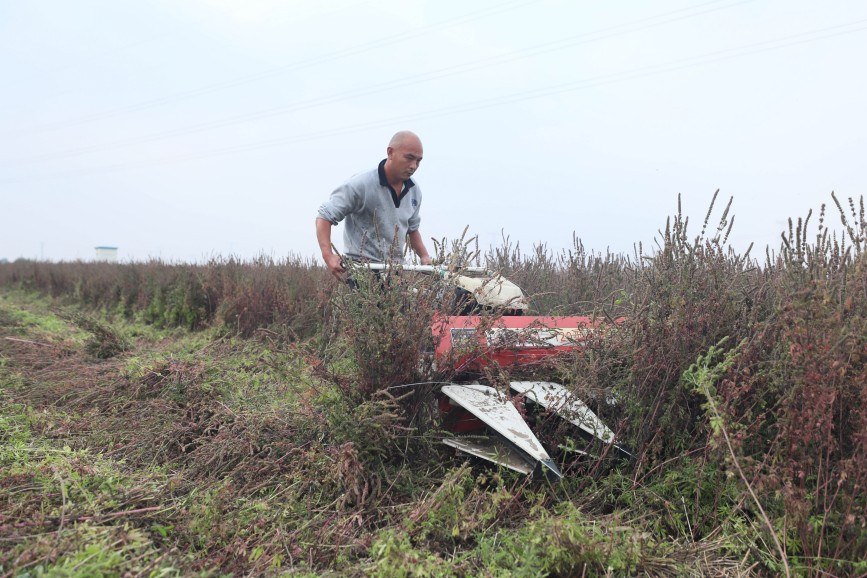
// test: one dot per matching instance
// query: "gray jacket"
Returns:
(377, 221)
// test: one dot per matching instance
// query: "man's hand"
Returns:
(335, 265)
(417, 245)
(323, 237)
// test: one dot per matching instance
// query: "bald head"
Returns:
(403, 138)
(404, 155)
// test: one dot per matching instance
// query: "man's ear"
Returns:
(388, 152)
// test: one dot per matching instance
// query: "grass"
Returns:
(68, 512)
(237, 419)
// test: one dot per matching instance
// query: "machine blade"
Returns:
(492, 449)
(561, 401)
(498, 413)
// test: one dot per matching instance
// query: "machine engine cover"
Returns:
(476, 341)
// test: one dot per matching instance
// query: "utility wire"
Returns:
(306, 63)
(114, 52)
(679, 64)
(546, 47)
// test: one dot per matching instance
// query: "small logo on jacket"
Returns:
(415, 202)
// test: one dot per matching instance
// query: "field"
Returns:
(253, 418)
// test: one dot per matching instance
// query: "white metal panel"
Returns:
(493, 450)
(498, 413)
(563, 402)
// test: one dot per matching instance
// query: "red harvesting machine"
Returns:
(489, 423)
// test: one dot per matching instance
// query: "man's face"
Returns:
(405, 158)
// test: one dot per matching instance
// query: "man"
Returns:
(381, 208)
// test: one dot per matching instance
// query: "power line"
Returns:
(679, 64)
(114, 51)
(543, 48)
(330, 56)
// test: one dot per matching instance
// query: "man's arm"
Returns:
(323, 236)
(417, 245)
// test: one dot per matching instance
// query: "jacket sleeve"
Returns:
(345, 199)
(415, 219)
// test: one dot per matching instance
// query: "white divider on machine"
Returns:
(492, 449)
(498, 413)
(563, 402)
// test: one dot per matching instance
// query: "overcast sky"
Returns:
(187, 129)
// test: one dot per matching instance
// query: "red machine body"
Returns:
(494, 419)
(478, 341)
(473, 342)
